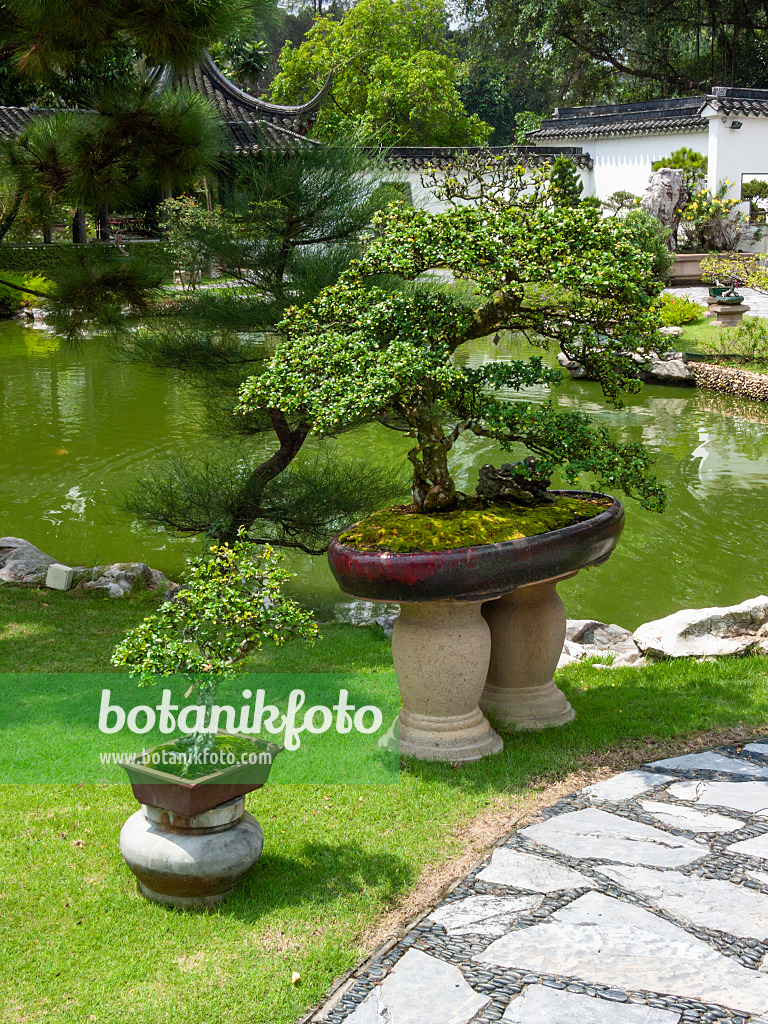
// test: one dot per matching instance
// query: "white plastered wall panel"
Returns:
(623, 164)
(736, 151)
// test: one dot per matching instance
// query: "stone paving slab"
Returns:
(650, 908)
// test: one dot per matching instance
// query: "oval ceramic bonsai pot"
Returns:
(481, 572)
(479, 626)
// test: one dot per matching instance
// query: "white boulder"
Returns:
(664, 195)
(707, 632)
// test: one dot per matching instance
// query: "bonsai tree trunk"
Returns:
(433, 488)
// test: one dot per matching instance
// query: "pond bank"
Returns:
(731, 380)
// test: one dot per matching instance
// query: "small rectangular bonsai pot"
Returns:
(189, 797)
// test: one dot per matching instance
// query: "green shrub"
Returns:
(678, 310)
(653, 238)
(750, 339)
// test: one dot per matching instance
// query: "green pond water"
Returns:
(76, 427)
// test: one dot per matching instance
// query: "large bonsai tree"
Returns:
(364, 352)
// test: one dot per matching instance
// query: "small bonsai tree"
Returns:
(363, 352)
(230, 606)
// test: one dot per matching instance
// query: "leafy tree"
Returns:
(567, 275)
(501, 78)
(630, 50)
(526, 121)
(395, 80)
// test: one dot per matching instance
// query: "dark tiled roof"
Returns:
(254, 123)
(14, 120)
(651, 126)
(656, 117)
(744, 102)
(417, 157)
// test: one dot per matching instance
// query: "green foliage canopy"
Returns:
(395, 81)
(560, 274)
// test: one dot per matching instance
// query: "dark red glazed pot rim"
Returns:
(479, 572)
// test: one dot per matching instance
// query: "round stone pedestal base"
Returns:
(452, 738)
(190, 868)
(527, 630)
(441, 651)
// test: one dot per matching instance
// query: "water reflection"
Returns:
(76, 428)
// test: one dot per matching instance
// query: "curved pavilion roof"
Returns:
(253, 123)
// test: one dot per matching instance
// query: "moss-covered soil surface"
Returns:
(474, 522)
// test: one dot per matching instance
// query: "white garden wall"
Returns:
(624, 163)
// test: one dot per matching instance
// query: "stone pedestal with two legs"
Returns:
(480, 628)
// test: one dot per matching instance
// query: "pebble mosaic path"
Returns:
(642, 899)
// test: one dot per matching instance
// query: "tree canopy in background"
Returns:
(396, 79)
(633, 50)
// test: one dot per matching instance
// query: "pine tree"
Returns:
(297, 220)
(566, 183)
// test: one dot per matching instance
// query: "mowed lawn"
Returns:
(78, 943)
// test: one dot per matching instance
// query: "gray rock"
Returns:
(671, 370)
(420, 989)
(597, 939)
(751, 797)
(120, 579)
(540, 1005)
(588, 631)
(387, 622)
(626, 785)
(706, 632)
(575, 368)
(593, 833)
(665, 191)
(485, 915)
(525, 871)
(587, 638)
(706, 902)
(711, 761)
(22, 562)
(688, 819)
